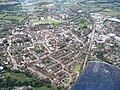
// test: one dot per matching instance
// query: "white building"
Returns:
(1, 67)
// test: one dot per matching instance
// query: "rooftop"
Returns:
(114, 19)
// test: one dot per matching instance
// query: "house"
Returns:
(1, 67)
(117, 38)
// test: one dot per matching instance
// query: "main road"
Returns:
(89, 48)
(9, 53)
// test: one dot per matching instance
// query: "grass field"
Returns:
(4, 21)
(19, 18)
(66, 80)
(52, 87)
(1, 28)
(34, 20)
(17, 76)
(8, 66)
(48, 21)
(83, 25)
(2, 15)
(77, 68)
(25, 79)
(51, 21)
(111, 13)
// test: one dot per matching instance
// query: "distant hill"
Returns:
(14, 0)
(107, 1)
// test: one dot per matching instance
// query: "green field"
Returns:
(110, 13)
(48, 21)
(51, 21)
(8, 66)
(77, 68)
(66, 80)
(17, 76)
(19, 18)
(51, 87)
(83, 25)
(4, 21)
(1, 28)
(34, 20)
(2, 15)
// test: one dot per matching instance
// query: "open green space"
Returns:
(50, 87)
(48, 21)
(110, 13)
(8, 66)
(51, 21)
(5, 21)
(2, 15)
(34, 20)
(66, 80)
(77, 68)
(19, 18)
(1, 28)
(18, 76)
(83, 25)
(39, 49)
(46, 61)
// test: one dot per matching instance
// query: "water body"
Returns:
(98, 76)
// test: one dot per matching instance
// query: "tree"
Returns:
(5, 41)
